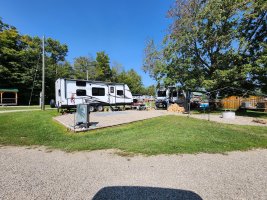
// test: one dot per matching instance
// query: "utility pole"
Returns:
(43, 77)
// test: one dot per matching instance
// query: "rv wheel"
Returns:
(100, 108)
(91, 108)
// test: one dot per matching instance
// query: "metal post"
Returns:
(16, 94)
(189, 109)
(188, 100)
(43, 77)
(87, 74)
(209, 100)
(74, 116)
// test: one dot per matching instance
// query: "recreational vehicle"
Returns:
(169, 95)
(70, 93)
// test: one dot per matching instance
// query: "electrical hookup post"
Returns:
(82, 117)
(40, 100)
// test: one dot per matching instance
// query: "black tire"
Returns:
(52, 103)
(91, 108)
(165, 105)
(100, 108)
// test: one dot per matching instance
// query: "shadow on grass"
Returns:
(144, 193)
(250, 113)
(244, 113)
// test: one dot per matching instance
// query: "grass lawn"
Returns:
(162, 135)
(3, 108)
(250, 113)
(7, 108)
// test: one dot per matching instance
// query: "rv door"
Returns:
(112, 94)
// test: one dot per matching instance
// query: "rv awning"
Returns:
(8, 90)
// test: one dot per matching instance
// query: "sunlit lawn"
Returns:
(161, 135)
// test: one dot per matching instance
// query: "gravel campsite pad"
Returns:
(108, 119)
(43, 174)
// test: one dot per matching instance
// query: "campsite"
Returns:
(133, 100)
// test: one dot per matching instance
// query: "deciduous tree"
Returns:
(213, 44)
(83, 64)
(103, 71)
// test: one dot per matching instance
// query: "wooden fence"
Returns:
(234, 102)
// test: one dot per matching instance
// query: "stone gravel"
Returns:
(39, 173)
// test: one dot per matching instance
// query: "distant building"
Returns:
(8, 96)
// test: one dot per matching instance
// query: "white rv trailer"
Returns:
(70, 92)
(165, 96)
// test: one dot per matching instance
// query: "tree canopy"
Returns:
(103, 71)
(20, 58)
(82, 66)
(212, 44)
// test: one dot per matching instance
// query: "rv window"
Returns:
(98, 91)
(174, 93)
(59, 92)
(111, 89)
(81, 83)
(161, 93)
(81, 92)
(180, 93)
(119, 92)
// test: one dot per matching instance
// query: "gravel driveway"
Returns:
(41, 174)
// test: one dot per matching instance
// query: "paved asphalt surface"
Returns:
(43, 174)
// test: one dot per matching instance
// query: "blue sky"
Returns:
(118, 27)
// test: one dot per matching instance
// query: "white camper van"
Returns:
(71, 92)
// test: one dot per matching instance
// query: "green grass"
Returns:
(3, 108)
(250, 113)
(7, 108)
(162, 135)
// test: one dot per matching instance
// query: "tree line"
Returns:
(212, 44)
(21, 61)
